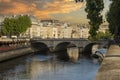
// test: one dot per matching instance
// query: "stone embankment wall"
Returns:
(110, 67)
(15, 53)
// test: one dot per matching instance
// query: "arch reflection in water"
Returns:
(44, 70)
(55, 70)
(15, 69)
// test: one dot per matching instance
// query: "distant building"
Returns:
(103, 28)
(85, 31)
(49, 21)
(67, 32)
(49, 28)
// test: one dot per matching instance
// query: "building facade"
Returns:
(54, 29)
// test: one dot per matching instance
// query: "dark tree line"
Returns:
(94, 8)
(113, 17)
(15, 25)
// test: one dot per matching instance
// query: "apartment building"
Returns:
(84, 31)
(103, 28)
(54, 29)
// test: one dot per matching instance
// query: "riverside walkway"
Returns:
(9, 44)
(110, 67)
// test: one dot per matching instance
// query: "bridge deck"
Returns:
(110, 68)
(60, 39)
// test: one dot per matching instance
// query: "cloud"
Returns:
(58, 6)
(5, 1)
(16, 8)
(38, 8)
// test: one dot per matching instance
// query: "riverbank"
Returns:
(110, 67)
(5, 55)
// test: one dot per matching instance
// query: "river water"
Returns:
(42, 67)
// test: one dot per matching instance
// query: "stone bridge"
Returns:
(62, 44)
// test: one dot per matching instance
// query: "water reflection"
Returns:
(40, 67)
(73, 54)
(55, 70)
(14, 69)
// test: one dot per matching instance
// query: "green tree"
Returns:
(113, 17)
(16, 26)
(5, 26)
(94, 8)
(102, 35)
(8, 26)
(22, 24)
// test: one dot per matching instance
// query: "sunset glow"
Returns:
(64, 10)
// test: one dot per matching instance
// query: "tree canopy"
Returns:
(94, 8)
(15, 25)
(102, 35)
(113, 17)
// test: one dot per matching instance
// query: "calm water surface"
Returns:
(40, 67)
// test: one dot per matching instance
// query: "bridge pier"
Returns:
(80, 49)
(51, 49)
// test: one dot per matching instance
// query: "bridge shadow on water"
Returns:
(58, 55)
(63, 55)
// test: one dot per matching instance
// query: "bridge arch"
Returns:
(90, 49)
(63, 47)
(39, 46)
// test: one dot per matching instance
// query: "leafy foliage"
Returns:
(15, 26)
(113, 17)
(106, 35)
(94, 8)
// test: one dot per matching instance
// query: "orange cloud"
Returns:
(6, 1)
(58, 6)
(63, 6)
(19, 8)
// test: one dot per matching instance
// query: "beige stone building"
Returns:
(53, 31)
(84, 32)
(103, 28)
(66, 32)
(59, 30)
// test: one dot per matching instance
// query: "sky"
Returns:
(63, 10)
